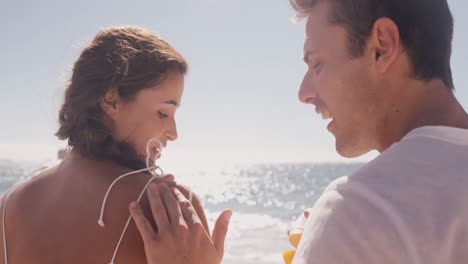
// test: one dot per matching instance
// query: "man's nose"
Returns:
(307, 92)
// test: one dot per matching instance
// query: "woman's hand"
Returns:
(180, 237)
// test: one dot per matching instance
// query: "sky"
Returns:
(240, 100)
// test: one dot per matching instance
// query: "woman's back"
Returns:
(53, 218)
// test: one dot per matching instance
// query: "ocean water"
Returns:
(265, 199)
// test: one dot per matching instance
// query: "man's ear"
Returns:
(110, 103)
(385, 43)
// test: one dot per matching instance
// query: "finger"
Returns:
(169, 177)
(188, 212)
(143, 225)
(157, 208)
(220, 230)
(172, 207)
(306, 214)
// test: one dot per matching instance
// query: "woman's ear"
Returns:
(110, 103)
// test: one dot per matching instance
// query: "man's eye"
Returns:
(162, 115)
(317, 65)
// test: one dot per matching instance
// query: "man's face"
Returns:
(340, 87)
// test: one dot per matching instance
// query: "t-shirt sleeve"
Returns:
(347, 226)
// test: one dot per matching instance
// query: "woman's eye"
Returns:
(162, 115)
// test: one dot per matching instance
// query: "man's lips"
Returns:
(324, 112)
(326, 115)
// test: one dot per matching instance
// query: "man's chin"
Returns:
(351, 151)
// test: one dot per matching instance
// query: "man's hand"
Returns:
(180, 237)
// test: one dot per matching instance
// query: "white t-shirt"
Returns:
(409, 205)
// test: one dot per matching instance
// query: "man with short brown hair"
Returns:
(380, 70)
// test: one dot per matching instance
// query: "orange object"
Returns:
(295, 236)
(288, 256)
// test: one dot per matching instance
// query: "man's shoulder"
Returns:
(425, 145)
(417, 162)
(453, 135)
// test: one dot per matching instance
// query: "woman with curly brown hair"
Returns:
(118, 114)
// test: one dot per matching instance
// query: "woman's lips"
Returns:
(157, 153)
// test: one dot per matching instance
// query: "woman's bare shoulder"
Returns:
(31, 191)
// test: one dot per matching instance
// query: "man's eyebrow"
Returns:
(306, 57)
(172, 102)
(309, 53)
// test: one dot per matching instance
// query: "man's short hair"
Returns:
(426, 29)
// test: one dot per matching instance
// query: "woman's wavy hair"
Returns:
(127, 59)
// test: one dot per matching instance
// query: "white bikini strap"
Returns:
(8, 193)
(155, 174)
(128, 220)
(5, 251)
(101, 215)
